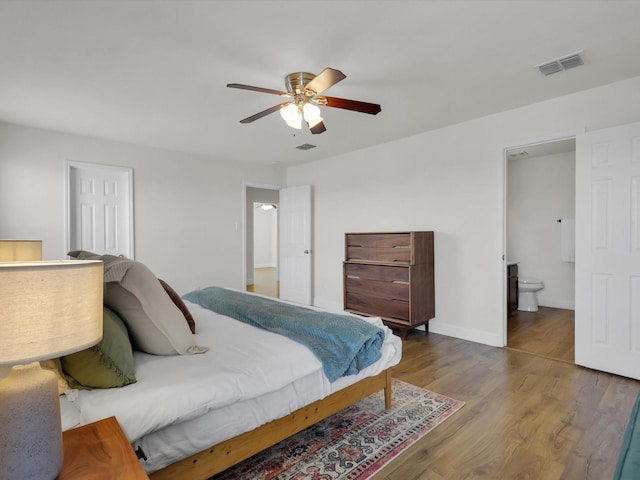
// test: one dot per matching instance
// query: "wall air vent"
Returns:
(305, 146)
(559, 64)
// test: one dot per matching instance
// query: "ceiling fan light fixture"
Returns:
(292, 116)
(288, 112)
(296, 123)
(311, 112)
(267, 206)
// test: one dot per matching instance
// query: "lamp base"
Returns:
(30, 426)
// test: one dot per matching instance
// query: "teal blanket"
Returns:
(344, 344)
(628, 465)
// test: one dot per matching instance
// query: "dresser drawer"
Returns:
(378, 247)
(383, 273)
(388, 290)
(378, 306)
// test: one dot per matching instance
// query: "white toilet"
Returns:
(527, 293)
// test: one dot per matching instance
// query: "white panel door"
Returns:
(100, 209)
(607, 315)
(295, 244)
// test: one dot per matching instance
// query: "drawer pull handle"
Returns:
(352, 276)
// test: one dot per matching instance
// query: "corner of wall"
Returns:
(469, 334)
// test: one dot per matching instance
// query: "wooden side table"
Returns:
(99, 450)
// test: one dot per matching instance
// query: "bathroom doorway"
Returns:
(540, 194)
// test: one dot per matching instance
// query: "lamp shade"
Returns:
(49, 309)
(20, 250)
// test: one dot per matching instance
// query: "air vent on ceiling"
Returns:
(305, 146)
(559, 64)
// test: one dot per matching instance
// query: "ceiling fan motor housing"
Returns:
(295, 82)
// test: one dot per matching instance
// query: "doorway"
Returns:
(540, 194)
(261, 240)
(294, 245)
(265, 250)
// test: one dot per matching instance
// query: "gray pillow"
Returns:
(155, 324)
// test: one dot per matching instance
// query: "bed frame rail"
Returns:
(217, 458)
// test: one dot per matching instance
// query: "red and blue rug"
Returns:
(355, 443)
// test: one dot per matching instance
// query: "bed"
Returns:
(242, 390)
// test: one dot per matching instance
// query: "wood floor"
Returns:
(265, 282)
(548, 332)
(526, 416)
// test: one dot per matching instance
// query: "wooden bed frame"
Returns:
(217, 458)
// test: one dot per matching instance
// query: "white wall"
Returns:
(188, 208)
(450, 181)
(187, 212)
(541, 190)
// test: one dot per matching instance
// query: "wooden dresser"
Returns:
(390, 275)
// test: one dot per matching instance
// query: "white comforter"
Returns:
(242, 363)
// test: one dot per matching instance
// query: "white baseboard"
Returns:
(440, 328)
(566, 304)
(329, 305)
(469, 334)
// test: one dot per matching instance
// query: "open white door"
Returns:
(607, 315)
(295, 244)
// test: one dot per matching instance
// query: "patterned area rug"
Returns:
(355, 443)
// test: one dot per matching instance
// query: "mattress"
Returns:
(183, 404)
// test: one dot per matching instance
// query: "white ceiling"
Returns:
(155, 72)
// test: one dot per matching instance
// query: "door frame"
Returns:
(501, 280)
(246, 185)
(128, 174)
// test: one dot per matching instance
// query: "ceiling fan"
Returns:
(303, 90)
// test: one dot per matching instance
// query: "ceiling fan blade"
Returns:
(317, 128)
(355, 105)
(257, 89)
(263, 113)
(325, 79)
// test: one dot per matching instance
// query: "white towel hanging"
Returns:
(568, 239)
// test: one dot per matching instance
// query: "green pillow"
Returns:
(107, 364)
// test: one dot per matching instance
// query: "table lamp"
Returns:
(47, 310)
(20, 250)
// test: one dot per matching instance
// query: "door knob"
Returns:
(306, 251)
